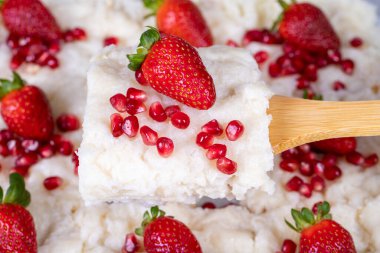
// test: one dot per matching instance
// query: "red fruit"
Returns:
(288, 246)
(339, 146)
(182, 18)
(17, 230)
(136, 94)
(4, 151)
(140, 77)
(348, 66)
(226, 165)
(208, 205)
(173, 67)
(319, 168)
(131, 244)
(26, 110)
(294, 184)
(65, 148)
(166, 234)
(356, 42)
(306, 169)
(130, 126)
(75, 160)
(112, 40)
(180, 120)
(119, 102)
(261, 57)
(52, 183)
(338, 85)
(148, 136)
(274, 70)
(30, 145)
(307, 27)
(46, 151)
(26, 160)
(135, 107)
(289, 165)
(234, 130)
(204, 140)
(306, 190)
(232, 43)
(334, 55)
(157, 112)
(317, 183)
(216, 151)
(170, 110)
(212, 127)
(332, 173)
(319, 233)
(79, 34)
(68, 122)
(116, 124)
(165, 146)
(371, 160)
(355, 158)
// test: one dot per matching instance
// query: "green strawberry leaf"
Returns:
(16, 193)
(1, 194)
(148, 218)
(308, 215)
(7, 86)
(153, 5)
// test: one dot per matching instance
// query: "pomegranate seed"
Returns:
(170, 110)
(119, 102)
(212, 127)
(65, 148)
(13, 41)
(180, 120)
(356, 42)
(288, 49)
(136, 94)
(79, 34)
(334, 56)
(306, 169)
(252, 35)
(52, 62)
(204, 140)
(315, 207)
(54, 47)
(338, 85)
(111, 40)
(355, 158)
(16, 61)
(226, 165)
(332, 172)
(26, 160)
(298, 64)
(4, 152)
(116, 125)
(140, 77)
(14, 147)
(148, 136)
(289, 165)
(130, 244)
(340, 146)
(294, 184)
(75, 160)
(232, 43)
(56, 139)
(208, 205)
(322, 62)
(286, 66)
(46, 151)
(290, 153)
(347, 66)
(43, 59)
(311, 73)
(306, 190)
(302, 83)
(288, 246)
(234, 130)
(216, 151)
(23, 171)
(371, 160)
(130, 126)
(309, 157)
(318, 183)
(329, 160)
(274, 70)
(68, 36)
(157, 112)
(52, 183)
(68, 122)
(305, 148)
(319, 168)
(30, 145)
(5, 135)
(261, 57)
(135, 107)
(165, 146)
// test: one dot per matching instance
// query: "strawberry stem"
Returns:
(16, 193)
(7, 86)
(147, 40)
(153, 5)
(148, 218)
(283, 4)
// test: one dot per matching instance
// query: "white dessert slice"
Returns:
(123, 169)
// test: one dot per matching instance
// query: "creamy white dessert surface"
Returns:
(64, 224)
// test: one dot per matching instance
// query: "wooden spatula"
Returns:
(298, 121)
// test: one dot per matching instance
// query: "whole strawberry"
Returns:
(307, 27)
(181, 18)
(17, 230)
(166, 234)
(25, 109)
(29, 18)
(173, 67)
(319, 233)
(339, 146)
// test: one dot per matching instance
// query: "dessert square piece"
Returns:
(123, 169)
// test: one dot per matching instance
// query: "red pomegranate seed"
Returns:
(148, 135)
(334, 56)
(16, 61)
(329, 160)
(75, 160)
(355, 158)
(212, 127)
(298, 64)
(319, 168)
(216, 151)
(332, 173)
(130, 126)
(311, 72)
(12, 41)
(286, 66)
(356, 42)
(234, 130)
(65, 148)
(338, 85)
(289, 165)
(302, 83)
(23, 171)
(135, 107)
(232, 43)
(4, 152)
(339, 146)
(157, 112)
(322, 62)
(14, 147)
(136, 94)
(5, 135)
(180, 120)
(52, 62)
(119, 102)
(52, 183)
(306, 169)
(111, 40)
(305, 148)
(274, 70)
(140, 77)
(252, 35)
(46, 151)
(290, 153)
(54, 47)
(170, 110)
(371, 160)
(309, 157)
(306, 190)
(79, 34)
(26, 160)
(294, 184)
(55, 139)
(116, 125)
(347, 66)
(226, 165)
(165, 146)
(131, 244)
(318, 183)
(288, 246)
(30, 145)
(208, 205)
(261, 57)
(68, 122)
(42, 59)
(204, 140)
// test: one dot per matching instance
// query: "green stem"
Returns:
(277, 22)
(283, 4)
(7, 86)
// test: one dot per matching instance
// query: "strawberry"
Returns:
(29, 18)
(339, 146)
(319, 233)
(166, 234)
(25, 109)
(17, 230)
(181, 18)
(173, 67)
(307, 27)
